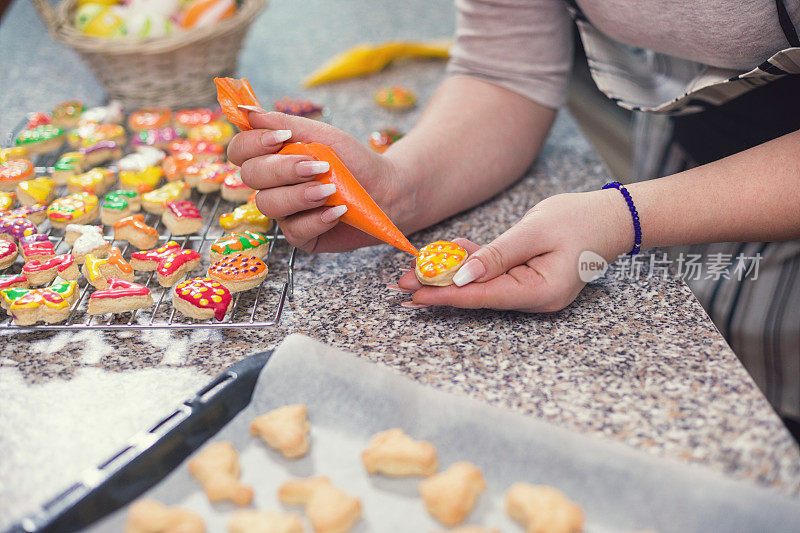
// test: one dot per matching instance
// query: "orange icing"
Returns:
(94, 265)
(137, 223)
(237, 267)
(436, 257)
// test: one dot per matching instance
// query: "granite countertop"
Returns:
(637, 361)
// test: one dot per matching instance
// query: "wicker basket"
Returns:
(174, 70)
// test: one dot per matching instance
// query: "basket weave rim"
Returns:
(63, 31)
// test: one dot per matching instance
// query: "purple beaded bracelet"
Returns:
(637, 228)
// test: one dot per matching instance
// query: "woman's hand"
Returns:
(287, 190)
(533, 267)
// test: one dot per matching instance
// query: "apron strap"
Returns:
(786, 24)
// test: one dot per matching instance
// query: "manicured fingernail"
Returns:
(332, 214)
(252, 108)
(311, 168)
(404, 270)
(412, 305)
(472, 270)
(319, 192)
(397, 288)
(275, 136)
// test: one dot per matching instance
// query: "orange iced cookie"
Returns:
(438, 262)
(238, 272)
(134, 230)
(395, 97)
(150, 118)
(13, 172)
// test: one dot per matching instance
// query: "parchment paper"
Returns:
(619, 488)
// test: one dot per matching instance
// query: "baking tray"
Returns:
(349, 399)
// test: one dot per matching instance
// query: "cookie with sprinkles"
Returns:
(238, 272)
(438, 262)
(13, 172)
(8, 253)
(41, 139)
(13, 228)
(119, 296)
(78, 208)
(234, 189)
(239, 242)
(202, 299)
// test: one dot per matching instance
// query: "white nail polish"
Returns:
(282, 135)
(317, 167)
(333, 213)
(412, 305)
(319, 192)
(472, 270)
(252, 108)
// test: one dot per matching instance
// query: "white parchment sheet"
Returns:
(349, 399)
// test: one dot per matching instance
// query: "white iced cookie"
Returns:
(449, 496)
(142, 158)
(329, 509)
(149, 516)
(86, 239)
(250, 521)
(438, 262)
(285, 429)
(543, 509)
(393, 453)
(217, 469)
(105, 114)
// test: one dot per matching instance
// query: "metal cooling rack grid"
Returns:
(247, 310)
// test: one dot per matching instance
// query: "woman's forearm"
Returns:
(473, 140)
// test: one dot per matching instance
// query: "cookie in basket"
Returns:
(150, 516)
(13, 172)
(37, 246)
(202, 298)
(100, 152)
(134, 230)
(284, 429)
(244, 242)
(118, 205)
(91, 133)
(393, 453)
(78, 208)
(252, 521)
(43, 272)
(143, 157)
(234, 189)
(140, 180)
(543, 508)
(157, 138)
(329, 509)
(50, 305)
(96, 181)
(451, 495)
(13, 281)
(182, 217)
(154, 201)
(42, 139)
(238, 272)
(201, 149)
(13, 228)
(438, 262)
(86, 239)
(189, 118)
(216, 467)
(150, 118)
(246, 217)
(8, 253)
(177, 265)
(36, 213)
(40, 190)
(68, 165)
(67, 114)
(97, 270)
(219, 131)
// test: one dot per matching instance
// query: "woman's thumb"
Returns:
(510, 249)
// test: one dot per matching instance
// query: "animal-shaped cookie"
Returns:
(169, 261)
(95, 181)
(119, 296)
(50, 305)
(202, 299)
(134, 230)
(251, 521)
(449, 496)
(284, 429)
(543, 509)
(119, 204)
(246, 217)
(393, 453)
(149, 516)
(238, 272)
(182, 217)
(329, 509)
(155, 201)
(43, 272)
(216, 467)
(79, 208)
(86, 239)
(239, 242)
(438, 262)
(40, 190)
(8, 253)
(97, 270)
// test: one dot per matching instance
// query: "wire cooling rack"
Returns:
(261, 306)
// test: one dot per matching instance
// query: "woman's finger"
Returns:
(409, 281)
(253, 143)
(303, 129)
(274, 170)
(303, 229)
(281, 202)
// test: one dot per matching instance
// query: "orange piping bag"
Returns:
(232, 92)
(362, 211)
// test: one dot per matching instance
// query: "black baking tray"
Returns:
(150, 456)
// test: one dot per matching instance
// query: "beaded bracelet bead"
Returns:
(637, 228)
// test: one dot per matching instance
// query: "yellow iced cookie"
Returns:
(246, 217)
(142, 181)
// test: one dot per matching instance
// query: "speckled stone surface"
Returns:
(637, 361)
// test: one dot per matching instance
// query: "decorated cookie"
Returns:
(202, 149)
(13, 154)
(284, 429)
(16, 228)
(380, 140)
(41, 139)
(208, 176)
(8, 253)
(182, 217)
(36, 213)
(234, 189)
(100, 152)
(119, 296)
(92, 133)
(133, 229)
(148, 260)
(157, 138)
(95, 181)
(86, 239)
(395, 97)
(176, 266)
(238, 272)
(150, 516)
(216, 467)
(438, 262)
(96, 270)
(328, 508)
(154, 201)
(298, 107)
(245, 217)
(449, 496)
(175, 165)
(40, 190)
(67, 114)
(7, 201)
(543, 508)
(42, 272)
(103, 114)
(202, 298)
(78, 208)
(119, 204)
(219, 131)
(37, 246)
(13, 172)
(49, 305)
(68, 165)
(240, 242)
(141, 181)
(393, 453)
(37, 119)
(143, 157)
(13, 281)
(149, 118)
(189, 118)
